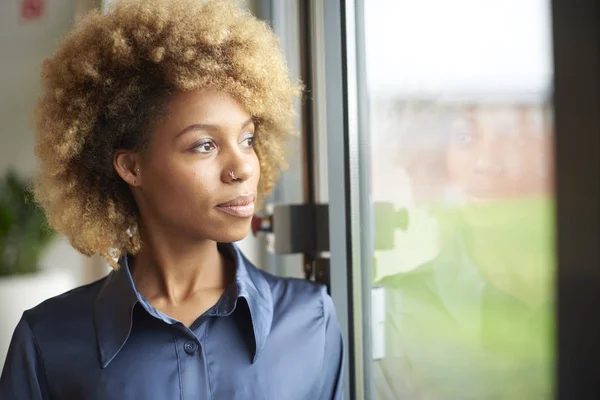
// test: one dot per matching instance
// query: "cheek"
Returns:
(177, 186)
(256, 167)
(457, 162)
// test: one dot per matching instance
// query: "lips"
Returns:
(241, 207)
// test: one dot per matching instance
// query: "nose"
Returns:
(489, 156)
(484, 163)
(237, 169)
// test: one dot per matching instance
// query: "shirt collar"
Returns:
(117, 298)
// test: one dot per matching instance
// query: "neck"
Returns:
(168, 271)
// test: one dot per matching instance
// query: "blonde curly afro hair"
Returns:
(114, 73)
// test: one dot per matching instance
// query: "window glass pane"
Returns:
(461, 134)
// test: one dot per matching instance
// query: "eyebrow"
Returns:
(209, 127)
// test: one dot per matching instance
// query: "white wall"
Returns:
(23, 46)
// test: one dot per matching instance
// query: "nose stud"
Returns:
(232, 175)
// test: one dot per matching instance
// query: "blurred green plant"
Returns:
(24, 231)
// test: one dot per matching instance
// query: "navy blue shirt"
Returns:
(266, 338)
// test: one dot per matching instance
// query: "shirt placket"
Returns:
(192, 364)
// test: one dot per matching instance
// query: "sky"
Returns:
(459, 46)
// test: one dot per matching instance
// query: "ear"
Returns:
(127, 165)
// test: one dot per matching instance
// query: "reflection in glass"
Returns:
(475, 320)
(469, 284)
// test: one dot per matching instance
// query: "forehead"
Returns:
(528, 116)
(205, 105)
(502, 110)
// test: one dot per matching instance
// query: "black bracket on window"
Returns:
(304, 229)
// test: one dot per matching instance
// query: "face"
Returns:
(499, 157)
(499, 153)
(199, 174)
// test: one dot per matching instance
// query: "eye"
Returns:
(462, 134)
(205, 147)
(464, 138)
(248, 142)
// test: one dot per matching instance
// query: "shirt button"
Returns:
(190, 347)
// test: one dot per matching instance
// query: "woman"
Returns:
(161, 127)
(476, 320)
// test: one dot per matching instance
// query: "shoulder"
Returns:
(291, 293)
(420, 277)
(414, 289)
(59, 330)
(59, 312)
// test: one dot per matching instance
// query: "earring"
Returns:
(137, 170)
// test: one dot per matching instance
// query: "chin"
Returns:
(233, 232)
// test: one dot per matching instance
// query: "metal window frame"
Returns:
(327, 32)
(576, 42)
(284, 18)
(323, 32)
(340, 74)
